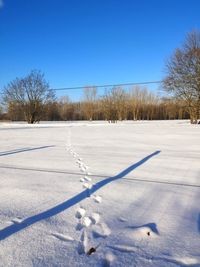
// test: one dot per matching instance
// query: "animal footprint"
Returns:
(148, 230)
(83, 243)
(63, 237)
(95, 217)
(87, 186)
(17, 220)
(84, 222)
(87, 178)
(122, 219)
(82, 168)
(80, 213)
(97, 199)
(109, 258)
(101, 230)
(85, 167)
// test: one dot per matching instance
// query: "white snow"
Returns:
(80, 213)
(63, 237)
(138, 205)
(95, 217)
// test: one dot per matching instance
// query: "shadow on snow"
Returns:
(21, 150)
(12, 229)
(198, 223)
(151, 226)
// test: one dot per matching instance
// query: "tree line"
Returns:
(30, 98)
(116, 104)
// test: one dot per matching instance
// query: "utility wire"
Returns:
(104, 85)
(100, 86)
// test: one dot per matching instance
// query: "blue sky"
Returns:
(86, 42)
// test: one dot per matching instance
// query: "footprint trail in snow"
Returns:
(88, 222)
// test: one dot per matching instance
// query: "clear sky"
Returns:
(86, 42)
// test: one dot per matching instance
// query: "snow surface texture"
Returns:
(99, 194)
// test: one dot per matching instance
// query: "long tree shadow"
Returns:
(12, 229)
(21, 150)
(198, 223)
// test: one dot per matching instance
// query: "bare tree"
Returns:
(137, 96)
(183, 74)
(15, 112)
(114, 104)
(119, 98)
(89, 99)
(1, 112)
(30, 93)
(108, 107)
(51, 111)
(64, 107)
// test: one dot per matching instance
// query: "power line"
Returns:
(104, 85)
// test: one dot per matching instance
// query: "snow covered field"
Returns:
(129, 191)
